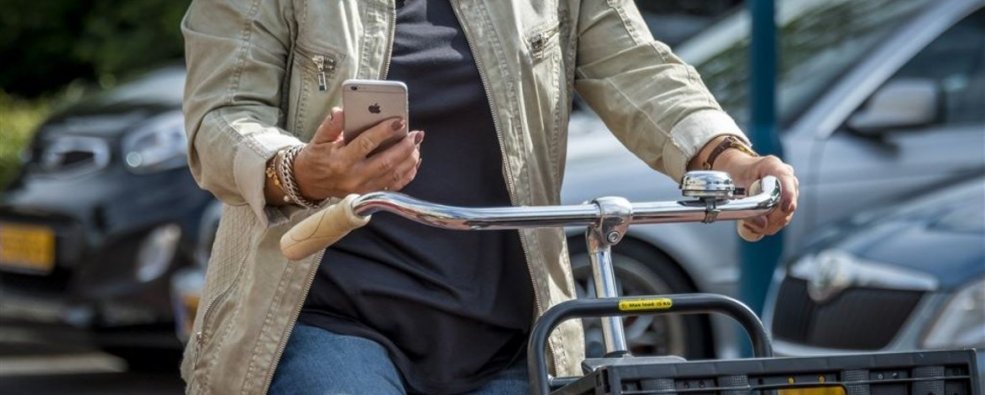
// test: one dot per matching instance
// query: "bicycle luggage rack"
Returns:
(917, 373)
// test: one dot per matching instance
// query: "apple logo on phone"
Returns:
(374, 108)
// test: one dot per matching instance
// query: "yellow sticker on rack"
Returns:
(645, 304)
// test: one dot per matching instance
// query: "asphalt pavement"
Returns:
(31, 367)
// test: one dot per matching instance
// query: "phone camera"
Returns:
(352, 88)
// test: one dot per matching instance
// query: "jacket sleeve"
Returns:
(653, 102)
(236, 53)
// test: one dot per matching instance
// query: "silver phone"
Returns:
(369, 102)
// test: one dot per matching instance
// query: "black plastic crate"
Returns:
(917, 373)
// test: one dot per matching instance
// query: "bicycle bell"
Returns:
(706, 184)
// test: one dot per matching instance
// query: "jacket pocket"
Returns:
(313, 82)
(321, 63)
(226, 268)
(543, 44)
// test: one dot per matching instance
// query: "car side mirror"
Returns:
(901, 103)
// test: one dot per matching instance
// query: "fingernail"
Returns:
(418, 136)
(397, 124)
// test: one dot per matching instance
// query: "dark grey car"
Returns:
(878, 99)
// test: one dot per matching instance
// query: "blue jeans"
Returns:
(317, 361)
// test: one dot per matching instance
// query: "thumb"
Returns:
(330, 129)
(747, 227)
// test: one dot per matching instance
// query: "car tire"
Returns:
(643, 270)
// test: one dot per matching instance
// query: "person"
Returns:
(396, 307)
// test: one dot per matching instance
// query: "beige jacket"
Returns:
(252, 89)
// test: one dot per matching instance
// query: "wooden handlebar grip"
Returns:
(755, 188)
(321, 230)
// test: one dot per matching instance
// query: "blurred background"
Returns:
(104, 236)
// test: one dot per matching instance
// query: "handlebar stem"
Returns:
(616, 214)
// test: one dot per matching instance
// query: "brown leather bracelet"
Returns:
(728, 142)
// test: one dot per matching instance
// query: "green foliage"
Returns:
(18, 121)
(48, 44)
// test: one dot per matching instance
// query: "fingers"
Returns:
(330, 129)
(367, 142)
(404, 174)
(754, 228)
(395, 167)
(789, 192)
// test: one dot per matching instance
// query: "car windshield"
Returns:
(160, 86)
(818, 41)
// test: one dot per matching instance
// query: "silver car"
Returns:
(878, 99)
(912, 274)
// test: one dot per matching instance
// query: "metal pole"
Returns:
(760, 259)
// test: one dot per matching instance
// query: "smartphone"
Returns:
(369, 102)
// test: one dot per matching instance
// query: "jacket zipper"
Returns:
(391, 31)
(511, 186)
(201, 334)
(294, 318)
(539, 42)
(326, 68)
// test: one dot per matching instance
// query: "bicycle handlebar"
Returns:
(329, 225)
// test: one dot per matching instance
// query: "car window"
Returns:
(819, 41)
(955, 61)
(706, 7)
(160, 86)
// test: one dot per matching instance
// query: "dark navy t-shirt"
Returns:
(453, 308)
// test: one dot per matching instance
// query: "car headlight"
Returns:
(961, 323)
(156, 251)
(159, 145)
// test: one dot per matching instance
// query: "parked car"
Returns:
(877, 99)
(829, 77)
(912, 275)
(102, 214)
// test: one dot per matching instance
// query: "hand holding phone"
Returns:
(329, 166)
(369, 102)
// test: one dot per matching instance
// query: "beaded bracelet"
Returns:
(285, 171)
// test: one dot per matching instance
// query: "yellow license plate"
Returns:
(27, 248)
(189, 303)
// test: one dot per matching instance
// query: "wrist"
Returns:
(739, 165)
(289, 180)
(273, 188)
(299, 168)
(728, 144)
(733, 159)
(712, 154)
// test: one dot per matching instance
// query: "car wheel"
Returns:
(643, 270)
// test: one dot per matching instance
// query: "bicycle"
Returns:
(713, 197)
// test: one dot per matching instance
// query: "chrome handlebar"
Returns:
(465, 218)
(710, 194)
